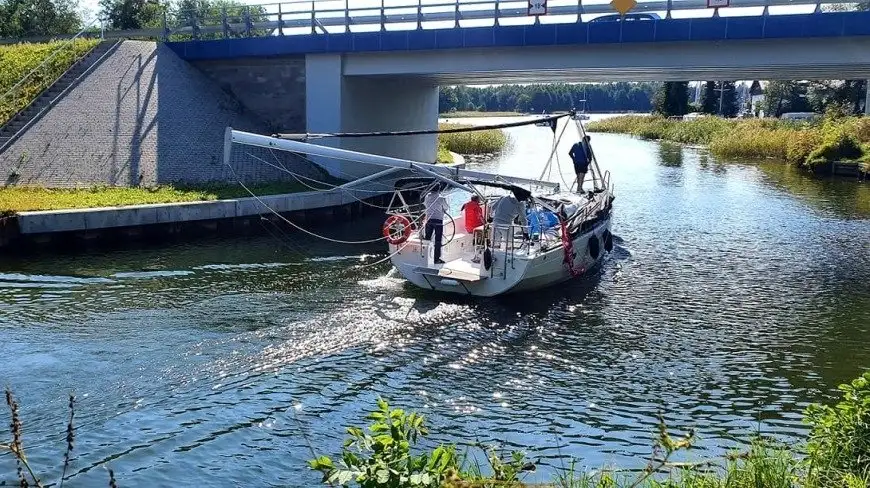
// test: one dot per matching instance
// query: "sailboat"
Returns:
(566, 233)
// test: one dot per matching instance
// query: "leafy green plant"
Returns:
(382, 457)
(838, 450)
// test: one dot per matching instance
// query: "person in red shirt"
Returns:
(473, 214)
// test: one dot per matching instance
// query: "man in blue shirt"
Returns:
(581, 154)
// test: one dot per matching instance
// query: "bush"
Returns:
(384, 458)
(838, 450)
(799, 147)
(443, 155)
(806, 144)
(837, 146)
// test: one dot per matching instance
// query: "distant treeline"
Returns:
(602, 97)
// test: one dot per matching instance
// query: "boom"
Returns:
(250, 139)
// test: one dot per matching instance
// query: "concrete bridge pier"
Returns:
(339, 103)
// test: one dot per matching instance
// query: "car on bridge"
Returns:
(626, 18)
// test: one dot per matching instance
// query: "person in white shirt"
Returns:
(435, 205)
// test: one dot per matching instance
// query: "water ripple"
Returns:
(728, 305)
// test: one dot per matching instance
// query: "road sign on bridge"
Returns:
(623, 6)
(537, 7)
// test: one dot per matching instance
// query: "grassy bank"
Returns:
(477, 142)
(810, 145)
(20, 199)
(17, 60)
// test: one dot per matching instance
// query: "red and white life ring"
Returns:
(397, 229)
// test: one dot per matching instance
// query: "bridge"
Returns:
(377, 65)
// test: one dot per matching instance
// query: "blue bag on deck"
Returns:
(540, 222)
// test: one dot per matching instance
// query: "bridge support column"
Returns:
(338, 103)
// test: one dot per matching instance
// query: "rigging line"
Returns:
(389, 188)
(561, 174)
(333, 187)
(555, 148)
(297, 176)
(373, 182)
(329, 239)
(281, 240)
(261, 202)
(582, 131)
(350, 193)
(422, 132)
(548, 168)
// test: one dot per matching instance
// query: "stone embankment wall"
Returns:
(143, 116)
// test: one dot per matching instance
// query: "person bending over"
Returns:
(507, 209)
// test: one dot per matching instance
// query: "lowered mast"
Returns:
(247, 138)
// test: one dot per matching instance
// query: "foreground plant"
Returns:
(838, 450)
(25, 474)
(383, 457)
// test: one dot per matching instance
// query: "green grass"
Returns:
(477, 142)
(21, 199)
(444, 156)
(807, 144)
(17, 60)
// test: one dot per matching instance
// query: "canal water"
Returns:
(737, 294)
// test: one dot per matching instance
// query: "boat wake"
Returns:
(20, 280)
(361, 257)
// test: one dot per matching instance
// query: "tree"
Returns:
(31, 18)
(848, 95)
(785, 96)
(710, 98)
(194, 12)
(600, 97)
(672, 98)
(729, 99)
(524, 103)
(131, 14)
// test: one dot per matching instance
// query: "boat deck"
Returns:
(458, 269)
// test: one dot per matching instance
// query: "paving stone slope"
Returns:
(142, 117)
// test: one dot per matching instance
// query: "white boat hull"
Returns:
(509, 273)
